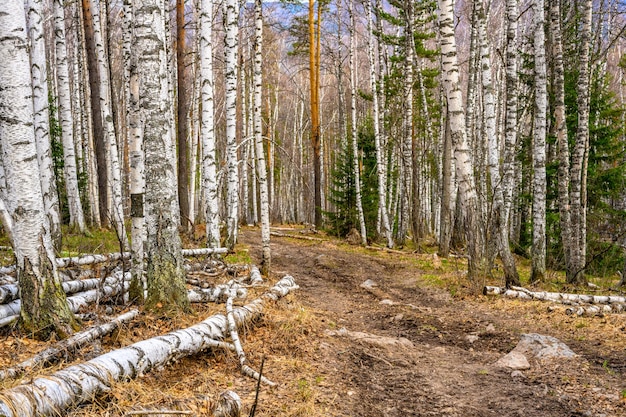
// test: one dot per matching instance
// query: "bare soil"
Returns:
(442, 364)
(445, 373)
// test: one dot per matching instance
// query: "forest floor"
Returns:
(429, 349)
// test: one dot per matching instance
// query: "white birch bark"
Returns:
(231, 13)
(136, 160)
(462, 153)
(579, 153)
(46, 396)
(266, 258)
(60, 349)
(561, 133)
(539, 147)
(207, 132)
(406, 146)
(557, 297)
(117, 209)
(353, 124)
(89, 140)
(39, 74)
(510, 129)
(165, 275)
(77, 218)
(44, 310)
(499, 222)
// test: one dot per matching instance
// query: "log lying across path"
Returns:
(557, 297)
(50, 396)
(581, 304)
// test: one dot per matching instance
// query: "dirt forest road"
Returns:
(422, 352)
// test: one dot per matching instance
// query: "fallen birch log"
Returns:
(204, 251)
(9, 292)
(77, 340)
(255, 276)
(113, 286)
(219, 293)
(234, 335)
(557, 297)
(52, 395)
(595, 310)
(95, 258)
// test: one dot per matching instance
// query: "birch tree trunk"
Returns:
(499, 222)
(114, 172)
(539, 147)
(136, 162)
(407, 134)
(231, 13)
(207, 130)
(510, 126)
(561, 135)
(39, 73)
(579, 154)
(353, 130)
(258, 138)
(380, 155)
(77, 218)
(462, 153)
(165, 274)
(44, 309)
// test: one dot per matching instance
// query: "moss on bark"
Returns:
(44, 305)
(166, 284)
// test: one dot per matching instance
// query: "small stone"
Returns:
(513, 360)
(471, 338)
(368, 284)
(399, 317)
(517, 374)
(386, 301)
(350, 393)
(490, 328)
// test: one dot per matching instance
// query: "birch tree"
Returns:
(39, 73)
(353, 131)
(165, 275)
(539, 147)
(580, 153)
(561, 133)
(380, 156)
(43, 308)
(136, 160)
(258, 138)
(77, 218)
(498, 212)
(231, 13)
(510, 124)
(462, 153)
(207, 129)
